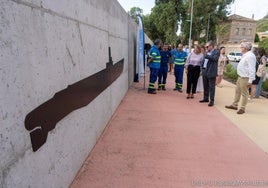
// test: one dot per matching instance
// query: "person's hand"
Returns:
(149, 61)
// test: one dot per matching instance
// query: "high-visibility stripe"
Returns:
(179, 61)
(178, 85)
(157, 59)
(151, 85)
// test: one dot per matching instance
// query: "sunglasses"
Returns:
(207, 46)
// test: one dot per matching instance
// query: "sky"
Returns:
(241, 7)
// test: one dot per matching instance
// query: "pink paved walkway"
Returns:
(167, 141)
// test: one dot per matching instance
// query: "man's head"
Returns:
(165, 47)
(157, 42)
(180, 47)
(209, 46)
(245, 46)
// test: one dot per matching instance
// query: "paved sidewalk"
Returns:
(254, 123)
(168, 141)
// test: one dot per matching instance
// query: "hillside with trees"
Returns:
(262, 24)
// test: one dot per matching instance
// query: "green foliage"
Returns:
(262, 24)
(231, 73)
(265, 85)
(206, 16)
(264, 44)
(135, 12)
(162, 23)
(257, 39)
(166, 15)
(222, 31)
(150, 27)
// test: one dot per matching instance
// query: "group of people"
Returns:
(210, 62)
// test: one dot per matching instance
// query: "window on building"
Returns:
(244, 31)
(249, 31)
(236, 31)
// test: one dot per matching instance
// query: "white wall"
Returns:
(46, 45)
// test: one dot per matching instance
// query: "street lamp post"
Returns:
(208, 28)
(191, 23)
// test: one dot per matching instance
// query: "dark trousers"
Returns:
(192, 78)
(153, 78)
(162, 75)
(209, 88)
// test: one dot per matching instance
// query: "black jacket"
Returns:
(211, 71)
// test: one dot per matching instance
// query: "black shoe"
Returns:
(164, 88)
(175, 89)
(202, 101)
(211, 104)
(152, 92)
(180, 90)
(159, 88)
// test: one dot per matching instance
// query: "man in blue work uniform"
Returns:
(179, 61)
(162, 74)
(154, 64)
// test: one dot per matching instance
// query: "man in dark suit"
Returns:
(209, 73)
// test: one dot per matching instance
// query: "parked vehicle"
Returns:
(234, 56)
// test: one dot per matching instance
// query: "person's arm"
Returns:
(187, 64)
(213, 57)
(264, 60)
(187, 61)
(251, 68)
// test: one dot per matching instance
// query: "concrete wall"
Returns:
(46, 45)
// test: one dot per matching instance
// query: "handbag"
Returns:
(261, 71)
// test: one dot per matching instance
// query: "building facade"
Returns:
(263, 35)
(236, 29)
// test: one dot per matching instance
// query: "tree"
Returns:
(264, 44)
(222, 32)
(168, 14)
(257, 39)
(164, 20)
(150, 27)
(206, 16)
(262, 24)
(135, 12)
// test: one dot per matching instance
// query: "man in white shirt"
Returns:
(246, 70)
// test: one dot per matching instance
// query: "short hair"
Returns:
(157, 41)
(221, 47)
(246, 45)
(211, 43)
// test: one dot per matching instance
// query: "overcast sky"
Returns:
(244, 8)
